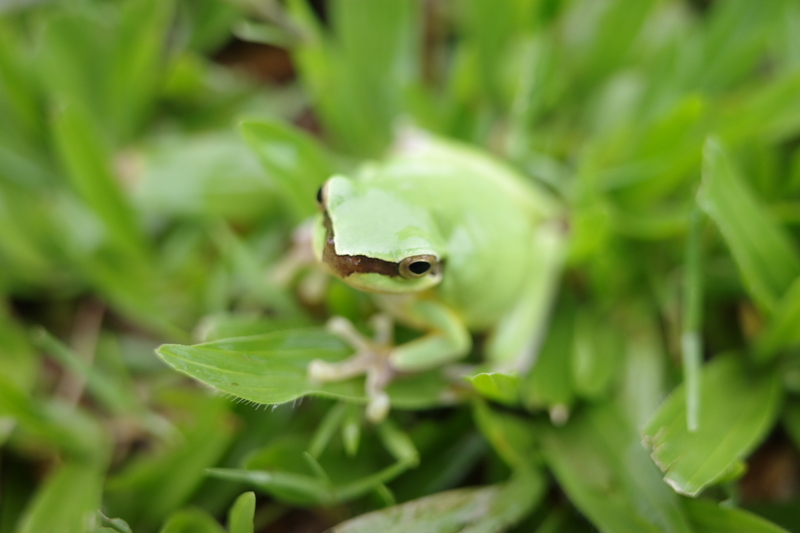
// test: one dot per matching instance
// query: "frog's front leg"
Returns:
(380, 361)
(371, 359)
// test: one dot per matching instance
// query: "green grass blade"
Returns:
(295, 163)
(191, 521)
(711, 517)
(474, 510)
(240, 517)
(737, 408)
(767, 258)
(600, 463)
(691, 342)
(67, 502)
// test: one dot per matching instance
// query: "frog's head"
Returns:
(374, 240)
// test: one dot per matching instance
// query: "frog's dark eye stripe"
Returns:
(417, 266)
(321, 193)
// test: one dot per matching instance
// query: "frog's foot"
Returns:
(371, 358)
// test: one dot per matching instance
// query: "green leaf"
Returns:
(791, 420)
(357, 78)
(601, 465)
(152, 485)
(136, 60)
(67, 502)
(295, 163)
(549, 383)
(191, 521)
(115, 525)
(711, 517)
(270, 34)
(771, 112)
(307, 490)
(692, 303)
(398, 443)
(474, 510)
(240, 517)
(271, 369)
(86, 158)
(767, 258)
(497, 386)
(72, 60)
(512, 437)
(208, 176)
(783, 328)
(106, 391)
(71, 430)
(595, 356)
(737, 408)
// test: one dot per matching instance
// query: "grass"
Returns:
(148, 197)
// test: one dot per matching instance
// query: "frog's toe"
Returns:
(378, 407)
(322, 371)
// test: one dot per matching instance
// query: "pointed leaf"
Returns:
(497, 386)
(601, 465)
(475, 510)
(767, 258)
(240, 517)
(191, 521)
(711, 517)
(295, 163)
(272, 368)
(737, 408)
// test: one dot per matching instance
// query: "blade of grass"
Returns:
(691, 342)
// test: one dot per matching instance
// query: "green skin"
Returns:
(477, 224)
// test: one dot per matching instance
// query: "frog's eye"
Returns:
(322, 194)
(417, 266)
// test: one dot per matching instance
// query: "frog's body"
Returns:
(451, 240)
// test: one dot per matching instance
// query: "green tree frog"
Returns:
(451, 241)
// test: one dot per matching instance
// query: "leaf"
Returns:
(240, 517)
(67, 501)
(85, 156)
(497, 386)
(765, 254)
(595, 356)
(271, 369)
(114, 397)
(208, 176)
(307, 490)
(601, 465)
(154, 484)
(398, 443)
(136, 59)
(475, 510)
(358, 78)
(691, 323)
(783, 328)
(191, 521)
(711, 517)
(512, 437)
(295, 163)
(737, 408)
(70, 430)
(549, 383)
(791, 421)
(115, 525)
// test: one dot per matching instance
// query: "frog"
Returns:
(450, 241)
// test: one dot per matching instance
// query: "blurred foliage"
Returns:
(150, 182)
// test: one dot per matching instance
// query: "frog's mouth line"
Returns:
(344, 265)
